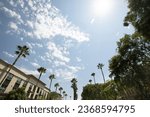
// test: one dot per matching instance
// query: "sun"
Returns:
(102, 7)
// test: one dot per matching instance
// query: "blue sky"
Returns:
(67, 37)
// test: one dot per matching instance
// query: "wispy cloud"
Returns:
(27, 71)
(36, 65)
(42, 22)
(8, 54)
(57, 52)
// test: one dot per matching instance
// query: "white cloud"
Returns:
(45, 21)
(36, 65)
(29, 45)
(64, 73)
(78, 59)
(13, 26)
(57, 53)
(8, 54)
(68, 72)
(27, 71)
(12, 14)
(41, 20)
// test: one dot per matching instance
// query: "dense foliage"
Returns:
(138, 16)
(54, 96)
(100, 91)
(18, 94)
(130, 67)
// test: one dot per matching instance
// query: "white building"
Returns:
(16, 78)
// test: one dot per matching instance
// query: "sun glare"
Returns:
(102, 7)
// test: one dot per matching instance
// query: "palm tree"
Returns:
(100, 66)
(66, 96)
(74, 87)
(60, 89)
(22, 51)
(93, 75)
(51, 77)
(90, 81)
(56, 86)
(41, 70)
(64, 92)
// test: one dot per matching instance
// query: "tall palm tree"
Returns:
(60, 89)
(93, 75)
(41, 70)
(64, 92)
(56, 86)
(74, 87)
(22, 51)
(66, 96)
(51, 77)
(90, 81)
(100, 66)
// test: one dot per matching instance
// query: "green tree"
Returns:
(138, 16)
(51, 77)
(56, 86)
(93, 75)
(100, 66)
(106, 91)
(22, 51)
(54, 96)
(18, 94)
(74, 87)
(130, 67)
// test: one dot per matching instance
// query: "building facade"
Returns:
(16, 78)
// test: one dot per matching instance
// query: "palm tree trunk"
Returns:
(10, 68)
(103, 75)
(94, 79)
(50, 84)
(56, 89)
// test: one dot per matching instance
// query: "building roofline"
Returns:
(26, 75)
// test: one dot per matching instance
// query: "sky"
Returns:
(67, 37)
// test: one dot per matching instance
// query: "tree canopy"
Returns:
(138, 16)
(130, 67)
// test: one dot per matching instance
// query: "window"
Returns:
(7, 81)
(24, 84)
(34, 88)
(38, 89)
(29, 90)
(17, 84)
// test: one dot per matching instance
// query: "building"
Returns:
(16, 78)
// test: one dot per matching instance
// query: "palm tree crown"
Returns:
(41, 70)
(56, 86)
(90, 81)
(60, 89)
(51, 77)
